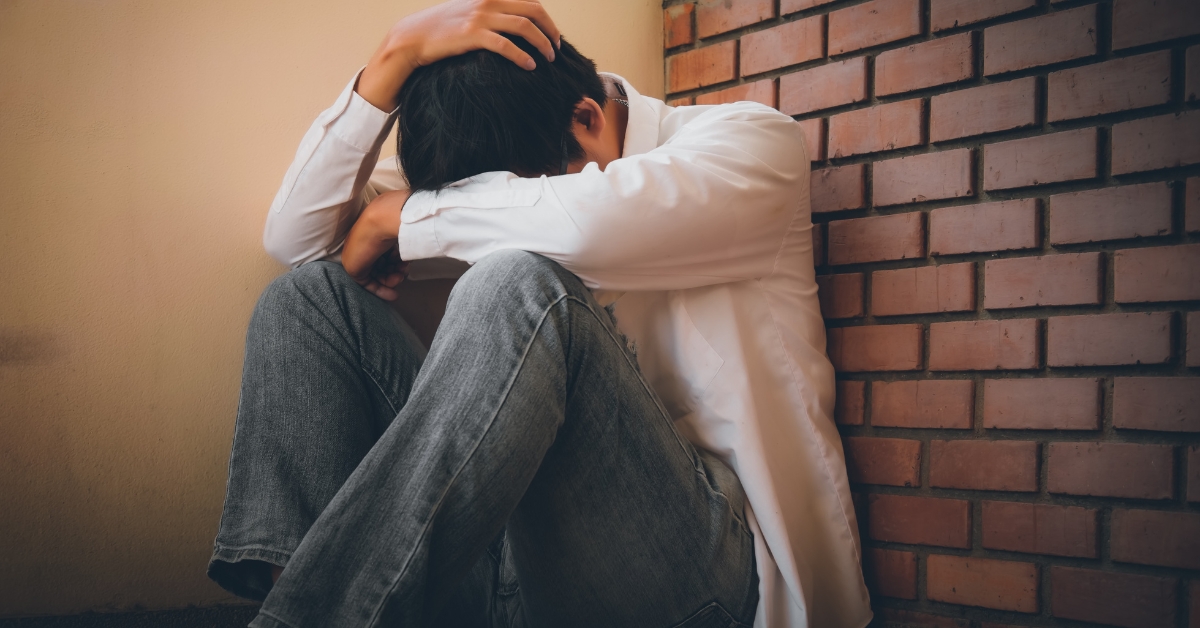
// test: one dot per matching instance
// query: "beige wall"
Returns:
(140, 145)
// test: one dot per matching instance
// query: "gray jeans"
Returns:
(522, 474)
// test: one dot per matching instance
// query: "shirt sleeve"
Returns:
(711, 204)
(334, 174)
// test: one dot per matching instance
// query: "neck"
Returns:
(619, 115)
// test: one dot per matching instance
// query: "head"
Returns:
(479, 112)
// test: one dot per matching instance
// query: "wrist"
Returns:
(386, 73)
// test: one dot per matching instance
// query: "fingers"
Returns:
(524, 27)
(505, 48)
(381, 291)
(536, 12)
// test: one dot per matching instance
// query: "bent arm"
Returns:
(710, 205)
(329, 181)
(335, 171)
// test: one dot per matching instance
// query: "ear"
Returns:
(590, 115)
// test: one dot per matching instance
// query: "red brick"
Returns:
(952, 13)
(1193, 339)
(919, 520)
(1042, 159)
(834, 189)
(1141, 338)
(713, 18)
(1010, 465)
(924, 177)
(890, 461)
(1137, 22)
(924, 289)
(1150, 537)
(983, 345)
(873, 23)
(703, 66)
(884, 127)
(1168, 404)
(1110, 470)
(1191, 88)
(1164, 273)
(1193, 473)
(891, 573)
(850, 403)
(925, 403)
(1128, 211)
(677, 25)
(789, 44)
(898, 618)
(814, 135)
(875, 348)
(791, 6)
(927, 64)
(1058, 36)
(1001, 226)
(1040, 529)
(818, 237)
(986, 109)
(875, 239)
(1192, 205)
(841, 296)
(824, 86)
(1063, 279)
(1000, 584)
(1041, 404)
(758, 91)
(1152, 143)
(1114, 599)
(1117, 85)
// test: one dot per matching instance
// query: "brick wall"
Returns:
(1007, 205)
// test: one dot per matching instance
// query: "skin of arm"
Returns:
(370, 255)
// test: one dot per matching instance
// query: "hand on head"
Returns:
(454, 28)
(370, 253)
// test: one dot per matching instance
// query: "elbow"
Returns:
(278, 248)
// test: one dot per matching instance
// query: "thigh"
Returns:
(626, 523)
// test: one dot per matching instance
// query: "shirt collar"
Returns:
(641, 130)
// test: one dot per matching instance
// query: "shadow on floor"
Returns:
(215, 617)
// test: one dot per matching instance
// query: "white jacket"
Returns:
(701, 236)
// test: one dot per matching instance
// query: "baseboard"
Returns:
(211, 617)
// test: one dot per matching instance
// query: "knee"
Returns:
(513, 273)
(310, 285)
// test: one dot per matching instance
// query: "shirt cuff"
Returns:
(418, 232)
(361, 124)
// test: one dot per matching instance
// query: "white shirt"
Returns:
(701, 235)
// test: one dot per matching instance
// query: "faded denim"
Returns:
(522, 474)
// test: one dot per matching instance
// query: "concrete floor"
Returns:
(216, 617)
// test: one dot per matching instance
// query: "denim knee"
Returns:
(303, 285)
(515, 274)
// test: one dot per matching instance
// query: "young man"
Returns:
(624, 418)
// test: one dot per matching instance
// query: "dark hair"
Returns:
(479, 112)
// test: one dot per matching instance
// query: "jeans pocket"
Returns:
(712, 616)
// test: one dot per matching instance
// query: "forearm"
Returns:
(321, 193)
(386, 72)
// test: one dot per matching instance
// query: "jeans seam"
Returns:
(242, 551)
(375, 380)
(662, 411)
(491, 421)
